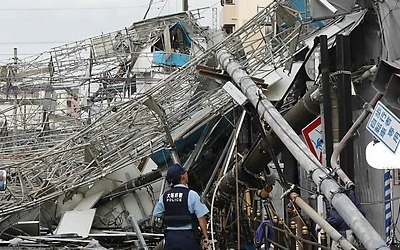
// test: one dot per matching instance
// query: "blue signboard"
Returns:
(385, 126)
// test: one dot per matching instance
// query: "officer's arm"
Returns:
(203, 227)
(158, 209)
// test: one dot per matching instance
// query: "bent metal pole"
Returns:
(341, 202)
(333, 233)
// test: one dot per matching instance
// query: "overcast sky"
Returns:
(34, 26)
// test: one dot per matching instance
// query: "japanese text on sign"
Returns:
(385, 126)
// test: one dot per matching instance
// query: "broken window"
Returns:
(229, 28)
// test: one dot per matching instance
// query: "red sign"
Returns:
(312, 134)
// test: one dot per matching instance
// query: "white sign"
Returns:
(380, 157)
(312, 134)
(385, 126)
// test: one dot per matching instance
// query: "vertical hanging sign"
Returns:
(385, 126)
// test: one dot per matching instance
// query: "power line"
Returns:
(11, 54)
(83, 8)
(37, 42)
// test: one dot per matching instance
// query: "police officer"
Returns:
(183, 212)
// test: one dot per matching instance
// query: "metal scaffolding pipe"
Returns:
(336, 153)
(256, 161)
(333, 233)
(341, 202)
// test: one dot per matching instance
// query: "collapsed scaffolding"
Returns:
(71, 152)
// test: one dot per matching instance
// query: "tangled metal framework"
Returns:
(68, 151)
(73, 152)
(48, 97)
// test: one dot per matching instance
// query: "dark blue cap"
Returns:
(174, 171)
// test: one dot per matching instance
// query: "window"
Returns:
(396, 179)
(229, 28)
(229, 2)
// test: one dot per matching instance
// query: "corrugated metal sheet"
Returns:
(389, 13)
(369, 183)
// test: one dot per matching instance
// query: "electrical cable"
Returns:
(212, 213)
(67, 9)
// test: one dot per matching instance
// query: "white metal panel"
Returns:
(89, 201)
(76, 221)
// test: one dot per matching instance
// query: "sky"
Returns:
(35, 26)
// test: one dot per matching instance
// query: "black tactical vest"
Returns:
(176, 207)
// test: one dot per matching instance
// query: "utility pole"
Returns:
(343, 93)
(185, 5)
(14, 74)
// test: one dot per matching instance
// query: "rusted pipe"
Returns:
(336, 169)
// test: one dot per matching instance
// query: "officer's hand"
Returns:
(205, 243)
